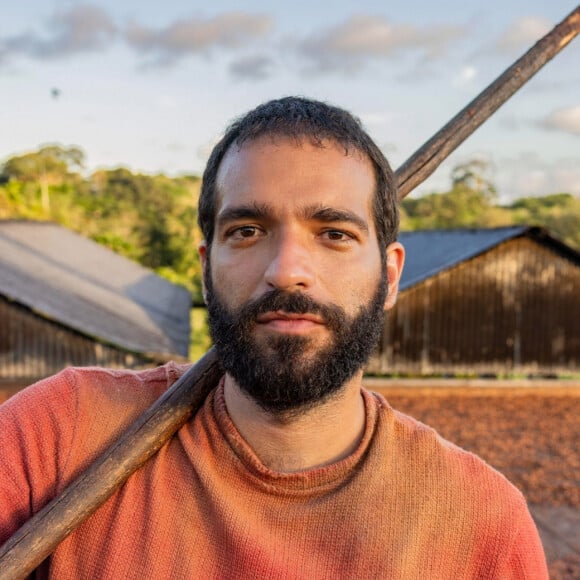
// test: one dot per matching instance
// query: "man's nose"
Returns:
(291, 265)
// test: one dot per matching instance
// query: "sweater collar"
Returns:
(320, 478)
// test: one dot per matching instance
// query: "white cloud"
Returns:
(82, 28)
(565, 120)
(361, 37)
(567, 179)
(230, 30)
(530, 175)
(522, 33)
(256, 67)
(510, 122)
(467, 74)
(376, 118)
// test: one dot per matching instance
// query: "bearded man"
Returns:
(291, 469)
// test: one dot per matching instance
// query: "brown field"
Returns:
(7, 389)
(531, 435)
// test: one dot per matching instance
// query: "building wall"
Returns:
(32, 347)
(511, 310)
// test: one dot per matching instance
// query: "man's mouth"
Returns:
(290, 322)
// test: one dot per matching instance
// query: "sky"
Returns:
(152, 85)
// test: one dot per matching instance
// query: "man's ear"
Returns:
(395, 261)
(202, 251)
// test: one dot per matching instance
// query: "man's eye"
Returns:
(336, 236)
(244, 232)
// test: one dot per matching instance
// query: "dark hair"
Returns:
(299, 118)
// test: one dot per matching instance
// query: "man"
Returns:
(290, 469)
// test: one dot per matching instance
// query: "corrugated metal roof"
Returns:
(87, 287)
(429, 252)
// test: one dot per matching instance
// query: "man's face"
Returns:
(294, 278)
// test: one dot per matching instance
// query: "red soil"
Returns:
(532, 436)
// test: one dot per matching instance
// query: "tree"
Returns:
(51, 165)
(474, 175)
(468, 203)
(559, 213)
(149, 218)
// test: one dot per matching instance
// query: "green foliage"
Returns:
(152, 219)
(474, 176)
(51, 162)
(471, 202)
(200, 341)
(559, 213)
(30, 180)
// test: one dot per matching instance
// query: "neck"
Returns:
(288, 443)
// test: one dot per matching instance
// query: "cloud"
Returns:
(89, 28)
(510, 122)
(361, 37)
(529, 174)
(257, 67)
(175, 147)
(567, 179)
(565, 120)
(82, 28)
(230, 30)
(381, 118)
(465, 76)
(523, 33)
(418, 73)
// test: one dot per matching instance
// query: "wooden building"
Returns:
(484, 302)
(66, 300)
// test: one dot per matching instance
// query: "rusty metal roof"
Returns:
(429, 252)
(80, 284)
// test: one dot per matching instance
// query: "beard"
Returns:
(286, 374)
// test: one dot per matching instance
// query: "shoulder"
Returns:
(68, 391)
(423, 445)
(120, 388)
(75, 414)
(459, 492)
(440, 469)
(52, 430)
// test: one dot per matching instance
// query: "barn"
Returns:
(481, 302)
(66, 300)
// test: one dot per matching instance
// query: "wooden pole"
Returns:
(28, 547)
(424, 162)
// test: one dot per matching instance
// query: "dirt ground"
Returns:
(531, 435)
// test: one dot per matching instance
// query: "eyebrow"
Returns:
(251, 211)
(331, 214)
(256, 211)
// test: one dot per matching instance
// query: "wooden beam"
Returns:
(42, 533)
(424, 162)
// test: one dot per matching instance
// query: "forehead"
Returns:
(284, 173)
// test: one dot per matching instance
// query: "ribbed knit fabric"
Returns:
(406, 504)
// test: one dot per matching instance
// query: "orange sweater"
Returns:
(405, 504)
